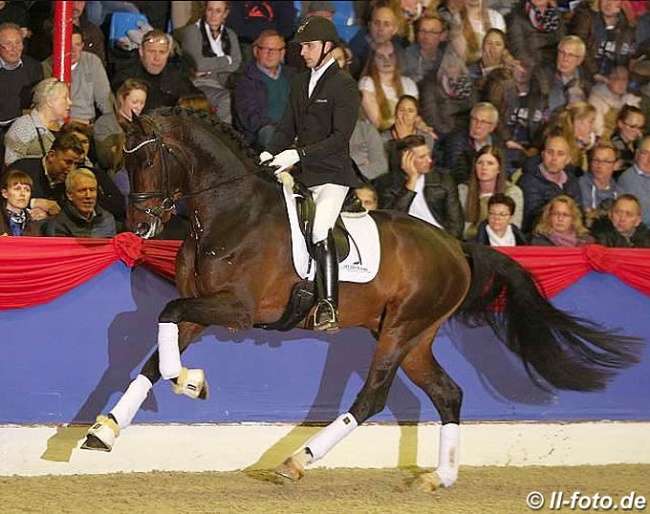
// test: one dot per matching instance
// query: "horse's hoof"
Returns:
(192, 383)
(291, 469)
(430, 482)
(93, 442)
(101, 436)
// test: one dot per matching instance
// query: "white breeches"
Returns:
(329, 199)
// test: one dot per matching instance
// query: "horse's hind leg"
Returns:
(425, 372)
(101, 436)
(393, 344)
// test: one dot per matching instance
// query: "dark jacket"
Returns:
(548, 96)
(481, 236)
(605, 233)
(164, 89)
(459, 154)
(320, 128)
(249, 19)
(526, 43)
(589, 25)
(538, 191)
(443, 112)
(440, 193)
(69, 223)
(32, 228)
(16, 89)
(251, 99)
(41, 187)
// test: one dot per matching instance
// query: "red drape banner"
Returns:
(36, 270)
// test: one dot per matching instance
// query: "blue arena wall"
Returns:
(69, 360)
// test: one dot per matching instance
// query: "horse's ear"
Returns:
(127, 126)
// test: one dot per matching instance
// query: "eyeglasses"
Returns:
(603, 161)
(479, 121)
(430, 32)
(634, 127)
(499, 214)
(561, 215)
(564, 53)
(269, 50)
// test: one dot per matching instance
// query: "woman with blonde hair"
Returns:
(475, 19)
(576, 123)
(561, 225)
(31, 135)
(488, 177)
(381, 85)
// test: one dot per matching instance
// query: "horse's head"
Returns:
(154, 176)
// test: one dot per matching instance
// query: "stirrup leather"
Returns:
(326, 316)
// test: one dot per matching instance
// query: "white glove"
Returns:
(284, 160)
(265, 157)
(286, 179)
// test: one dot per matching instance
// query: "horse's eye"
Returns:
(149, 164)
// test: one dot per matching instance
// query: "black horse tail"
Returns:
(566, 351)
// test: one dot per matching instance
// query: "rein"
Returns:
(168, 203)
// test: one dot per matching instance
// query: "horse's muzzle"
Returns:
(146, 230)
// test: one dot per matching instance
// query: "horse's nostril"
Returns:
(142, 229)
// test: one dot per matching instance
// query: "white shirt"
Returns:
(419, 208)
(317, 74)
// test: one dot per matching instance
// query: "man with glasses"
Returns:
(552, 86)
(262, 90)
(636, 180)
(425, 54)
(48, 174)
(598, 187)
(18, 75)
(166, 82)
(460, 147)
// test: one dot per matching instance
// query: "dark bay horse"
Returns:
(235, 270)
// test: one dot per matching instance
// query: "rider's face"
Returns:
(311, 52)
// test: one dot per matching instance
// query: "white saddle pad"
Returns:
(361, 264)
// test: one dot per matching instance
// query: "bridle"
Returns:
(168, 204)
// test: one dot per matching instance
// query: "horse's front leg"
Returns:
(180, 323)
(223, 309)
(102, 435)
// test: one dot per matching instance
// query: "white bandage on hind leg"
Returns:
(170, 356)
(131, 400)
(449, 454)
(331, 435)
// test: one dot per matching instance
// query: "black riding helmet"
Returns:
(317, 28)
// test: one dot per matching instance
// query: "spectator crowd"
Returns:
(506, 122)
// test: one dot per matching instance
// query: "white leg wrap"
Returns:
(170, 355)
(331, 435)
(131, 400)
(449, 455)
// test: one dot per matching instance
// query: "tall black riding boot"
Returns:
(327, 283)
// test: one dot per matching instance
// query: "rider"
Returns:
(314, 134)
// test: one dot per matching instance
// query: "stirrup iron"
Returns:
(326, 317)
